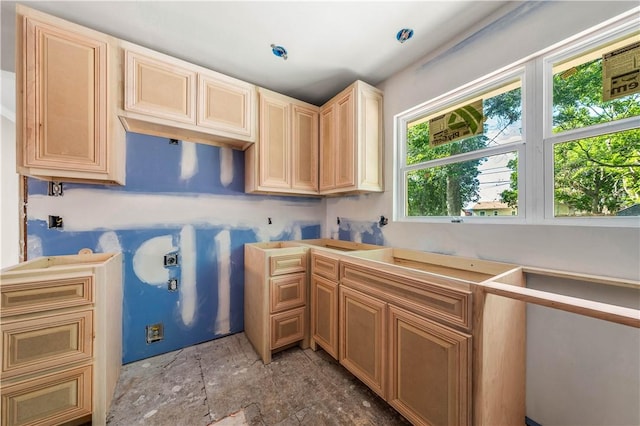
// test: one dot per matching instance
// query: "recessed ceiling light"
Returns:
(404, 35)
(279, 51)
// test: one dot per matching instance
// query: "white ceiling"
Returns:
(330, 44)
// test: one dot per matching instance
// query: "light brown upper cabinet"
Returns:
(66, 84)
(168, 97)
(351, 141)
(285, 158)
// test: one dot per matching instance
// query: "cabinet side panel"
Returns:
(371, 138)
(499, 359)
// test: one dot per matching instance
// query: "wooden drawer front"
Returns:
(45, 342)
(287, 327)
(37, 296)
(288, 291)
(448, 305)
(325, 266)
(48, 400)
(287, 263)
(160, 89)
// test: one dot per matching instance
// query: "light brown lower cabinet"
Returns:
(275, 297)
(61, 327)
(428, 340)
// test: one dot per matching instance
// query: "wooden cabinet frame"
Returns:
(67, 81)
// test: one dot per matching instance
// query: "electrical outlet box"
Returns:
(55, 189)
(172, 284)
(171, 259)
(155, 332)
(55, 222)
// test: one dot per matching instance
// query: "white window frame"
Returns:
(550, 139)
(445, 101)
(535, 151)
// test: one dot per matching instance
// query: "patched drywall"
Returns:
(186, 199)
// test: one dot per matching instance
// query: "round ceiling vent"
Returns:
(279, 51)
(404, 35)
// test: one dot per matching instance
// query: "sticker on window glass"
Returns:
(621, 72)
(458, 124)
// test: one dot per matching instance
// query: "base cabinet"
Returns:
(275, 297)
(61, 326)
(426, 355)
(449, 354)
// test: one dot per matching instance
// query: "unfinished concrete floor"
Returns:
(223, 382)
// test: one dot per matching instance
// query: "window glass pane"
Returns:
(486, 186)
(598, 176)
(502, 112)
(578, 86)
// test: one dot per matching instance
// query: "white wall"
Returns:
(9, 231)
(579, 370)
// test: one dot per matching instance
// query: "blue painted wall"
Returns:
(198, 209)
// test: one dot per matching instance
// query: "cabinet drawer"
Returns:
(288, 291)
(287, 327)
(45, 342)
(446, 304)
(287, 263)
(48, 400)
(36, 296)
(325, 266)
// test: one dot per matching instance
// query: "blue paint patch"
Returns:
(369, 232)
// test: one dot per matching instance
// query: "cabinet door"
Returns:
(324, 314)
(274, 143)
(159, 88)
(362, 338)
(430, 370)
(226, 105)
(327, 148)
(64, 91)
(304, 148)
(48, 400)
(345, 141)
